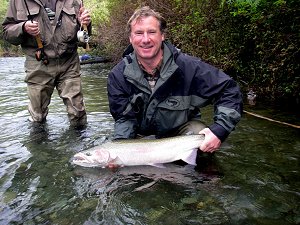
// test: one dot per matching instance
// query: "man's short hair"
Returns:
(146, 11)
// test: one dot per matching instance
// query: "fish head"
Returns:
(92, 158)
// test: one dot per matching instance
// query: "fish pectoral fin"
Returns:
(115, 162)
(190, 157)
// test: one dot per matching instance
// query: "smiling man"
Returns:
(146, 38)
(158, 90)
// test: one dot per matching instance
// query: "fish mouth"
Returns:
(91, 159)
(80, 159)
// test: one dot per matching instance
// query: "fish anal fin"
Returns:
(159, 165)
(190, 157)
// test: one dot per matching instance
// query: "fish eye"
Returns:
(88, 154)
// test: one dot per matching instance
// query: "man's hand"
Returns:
(84, 16)
(211, 142)
(31, 27)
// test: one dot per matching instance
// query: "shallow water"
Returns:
(253, 179)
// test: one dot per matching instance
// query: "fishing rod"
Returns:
(39, 53)
(83, 35)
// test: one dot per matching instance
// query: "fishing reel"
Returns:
(83, 36)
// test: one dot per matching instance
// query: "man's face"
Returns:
(146, 38)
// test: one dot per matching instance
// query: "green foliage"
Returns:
(268, 46)
(98, 9)
(3, 8)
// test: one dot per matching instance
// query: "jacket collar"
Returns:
(135, 75)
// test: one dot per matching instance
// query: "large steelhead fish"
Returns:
(135, 152)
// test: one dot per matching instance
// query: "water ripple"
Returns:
(252, 179)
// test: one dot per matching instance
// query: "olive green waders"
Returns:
(62, 74)
(193, 126)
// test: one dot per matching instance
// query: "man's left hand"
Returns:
(211, 142)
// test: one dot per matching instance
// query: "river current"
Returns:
(253, 179)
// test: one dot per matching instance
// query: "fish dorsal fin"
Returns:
(190, 157)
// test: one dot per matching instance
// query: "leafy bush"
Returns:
(267, 46)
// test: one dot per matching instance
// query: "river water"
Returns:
(252, 179)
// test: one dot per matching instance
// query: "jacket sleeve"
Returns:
(224, 93)
(125, 128)
(118, 98)
(228, 107)
(13, 25)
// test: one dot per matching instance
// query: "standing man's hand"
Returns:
(31, 27)
(84, 16)
(211, 142)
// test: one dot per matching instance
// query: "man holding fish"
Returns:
(158, 90)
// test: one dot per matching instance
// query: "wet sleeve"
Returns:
(225, 95)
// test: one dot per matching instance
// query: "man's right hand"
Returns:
(31, 27)
(211, 142)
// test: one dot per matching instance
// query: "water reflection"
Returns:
(144, 194)
(253, 179)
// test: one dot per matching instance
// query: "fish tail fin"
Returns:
(190, 157)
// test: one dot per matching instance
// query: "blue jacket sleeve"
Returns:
(119, 98)
(225, 95)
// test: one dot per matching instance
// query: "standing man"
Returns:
(158, 90)
(47, 33)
